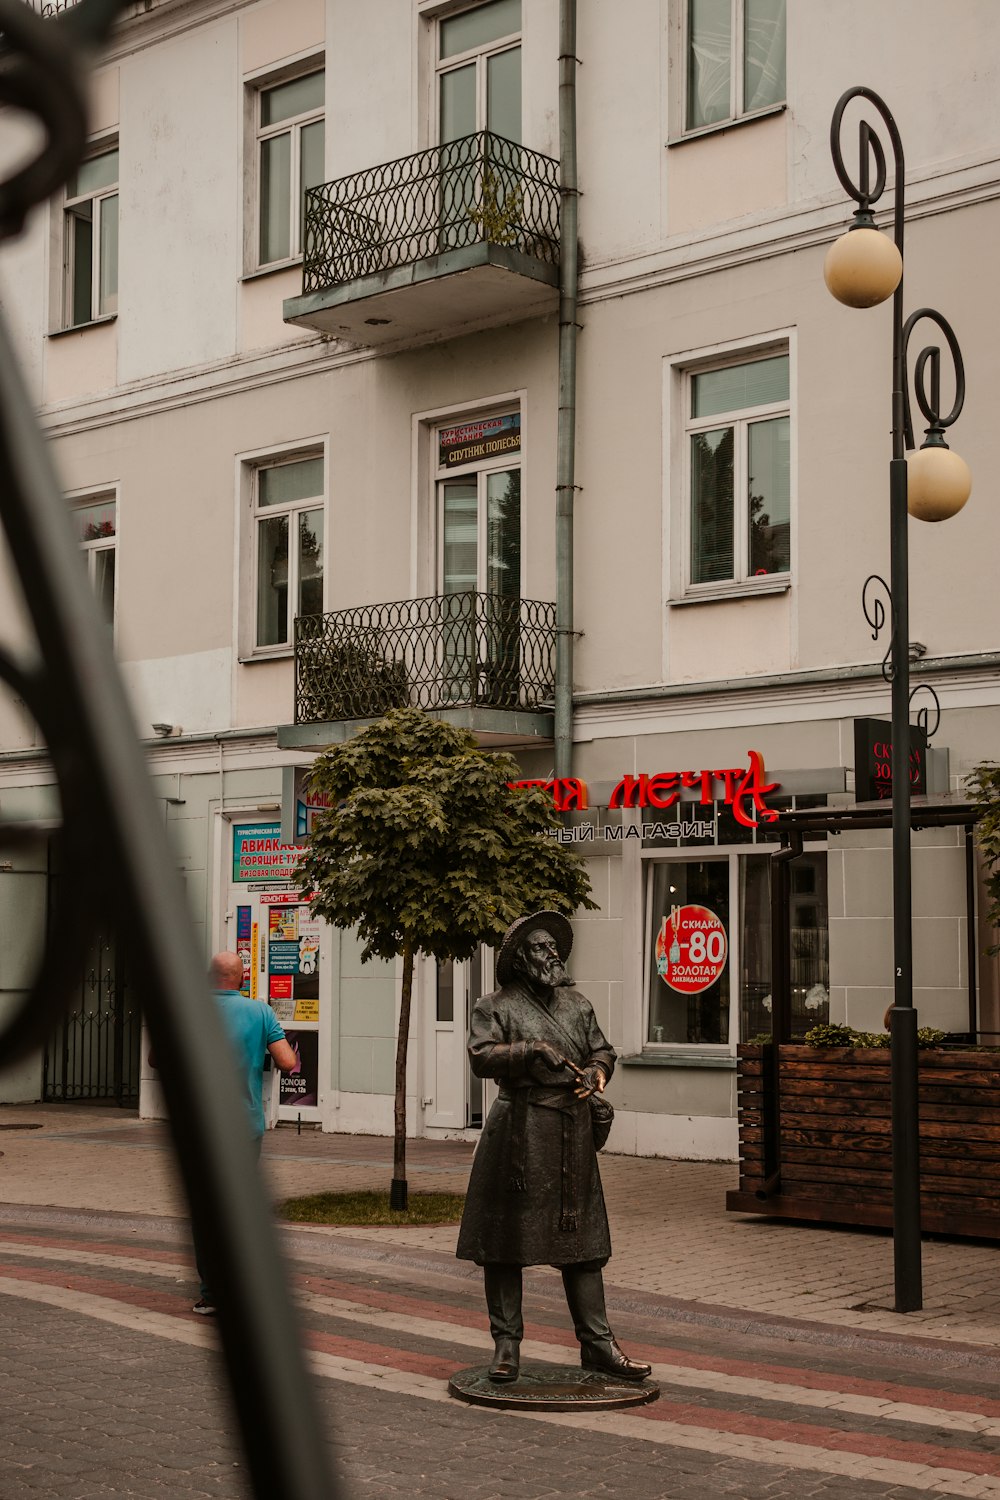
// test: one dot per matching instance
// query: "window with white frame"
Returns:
(90, 240)
(290, 159)
(734, 60)
(479, 71)
(738, 437)
(288, 551)
(95, 520)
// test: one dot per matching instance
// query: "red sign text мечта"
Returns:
(743, 788)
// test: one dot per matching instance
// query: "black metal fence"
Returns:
(93, 1052)
(479, 188)
(452, 650)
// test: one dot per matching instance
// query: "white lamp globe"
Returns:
(938, 483)
(862, 268)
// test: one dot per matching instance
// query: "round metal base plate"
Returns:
(551, 1388)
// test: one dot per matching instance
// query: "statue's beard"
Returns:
(550, 974)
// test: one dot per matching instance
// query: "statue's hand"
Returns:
(545, 1053)
(589, 1081)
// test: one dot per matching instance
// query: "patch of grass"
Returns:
(372, 1208)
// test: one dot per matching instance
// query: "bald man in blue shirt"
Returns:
(254, 1032)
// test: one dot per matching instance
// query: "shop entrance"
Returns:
(281, 945)
(455, 1099)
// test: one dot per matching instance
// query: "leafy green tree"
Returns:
(984, 788)
(427, 848)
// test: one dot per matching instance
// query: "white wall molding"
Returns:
(709, 707)
(782, 231)
(180, 388)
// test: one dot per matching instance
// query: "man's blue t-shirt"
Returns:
(251, 1027)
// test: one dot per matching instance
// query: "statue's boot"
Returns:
(503, 1299)
(598, 1346)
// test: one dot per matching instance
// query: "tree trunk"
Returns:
(398, 1192)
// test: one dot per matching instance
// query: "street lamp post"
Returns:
(863, 268)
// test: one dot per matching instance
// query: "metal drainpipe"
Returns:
(566, 429)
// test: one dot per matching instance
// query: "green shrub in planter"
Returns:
(831, 1036)
(846, 1036)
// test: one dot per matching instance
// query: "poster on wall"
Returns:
(308, 942)
(283, 924)
(259, 854)
(254, 956)
(301, 1086)
(244, 928)
(692, 949)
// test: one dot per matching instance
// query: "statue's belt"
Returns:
(569, 1107)
(563, 1098)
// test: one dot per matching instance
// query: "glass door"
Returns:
(809, 937)
(479, 88)
(481, 587)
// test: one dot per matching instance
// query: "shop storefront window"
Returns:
(695, 943)
(689, 969)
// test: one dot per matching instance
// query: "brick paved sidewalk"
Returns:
(671, 1234)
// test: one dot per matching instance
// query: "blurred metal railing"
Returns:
(448, 651)
(479, 188)
(111, 843)
(49, 8)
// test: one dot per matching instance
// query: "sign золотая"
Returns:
(873, 760)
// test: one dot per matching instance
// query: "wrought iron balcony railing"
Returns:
(480, 188)
(49, 8)
(450, 651)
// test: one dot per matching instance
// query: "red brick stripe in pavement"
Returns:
(112, 1291)
(871, 1444)
(407, 1360)
(100, 1247)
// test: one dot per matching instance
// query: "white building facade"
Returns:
(370, 442)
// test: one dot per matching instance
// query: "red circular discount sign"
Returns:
(691, 949)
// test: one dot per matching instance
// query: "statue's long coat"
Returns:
(535, 1191)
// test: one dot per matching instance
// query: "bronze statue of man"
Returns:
(535, 1191)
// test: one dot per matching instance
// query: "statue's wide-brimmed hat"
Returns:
(553, 923)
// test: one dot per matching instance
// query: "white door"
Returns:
(454, 1098)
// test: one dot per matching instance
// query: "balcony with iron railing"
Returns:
(456, 237)
(482, 661)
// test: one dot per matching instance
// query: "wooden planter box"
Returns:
(834, 1143)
